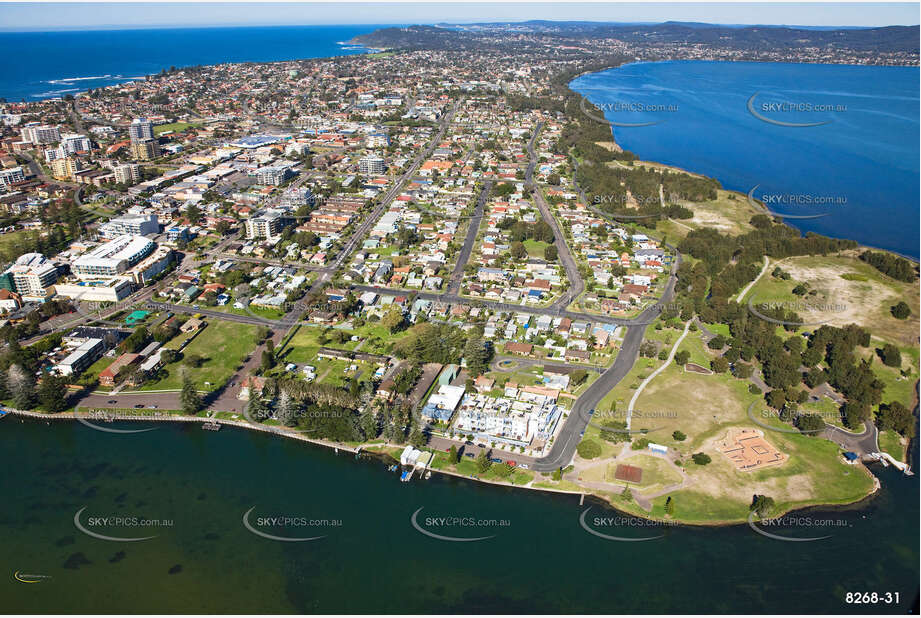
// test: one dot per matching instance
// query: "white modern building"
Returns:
(11, 175)
(266, 224)
(37, 134)
(128, 174)
(32, 276)
(135, 224)
(140, 129)
(113, 258)
(372, 165)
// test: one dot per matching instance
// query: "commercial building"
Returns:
(113, 258)
(108, 291)
(251, 142)
(140, 129)
(138, 225)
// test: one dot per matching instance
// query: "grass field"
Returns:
(847, 290)
(224, 345)
(705, 407)
(893, 443)
(175, 127)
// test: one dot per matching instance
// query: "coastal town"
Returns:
(431, 252)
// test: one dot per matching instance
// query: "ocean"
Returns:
(41, 65)
(190, 490)
(835, 144)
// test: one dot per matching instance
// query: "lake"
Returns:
(837, 141)
(190, 490)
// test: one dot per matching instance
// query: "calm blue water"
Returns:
(863, 162)
(53, 64)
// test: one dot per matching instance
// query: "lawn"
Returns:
(704, 407)
(535, 247)
(175, 127)
(847, 290)
(892, 443)
(224, 345)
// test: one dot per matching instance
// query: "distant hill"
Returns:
(889, 39)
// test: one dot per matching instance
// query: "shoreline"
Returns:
(371, 449)
(297, 436)
(916, 260)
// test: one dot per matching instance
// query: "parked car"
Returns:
(470, 455)
(496, 460)
(524, 466)
(511, 463)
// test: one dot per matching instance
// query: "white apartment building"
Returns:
(372, 165)
(128, 174)
(140, 129)
(32, 274)
(35, 133)
(135, 224)
(265, 224)
(11, 175)
(113, 258)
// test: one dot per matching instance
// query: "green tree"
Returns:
(482, 461)
(891, 356)
(701, 459)
(679, 436)
(897, 417)
(518, 250)
(588, 449)
(900, 310)
(682, 357)
(393, 319)
(452, 455)
(189, 397)
(810, 424)
(550, 253)
(52, 393)
(669, 506)
(761, 505)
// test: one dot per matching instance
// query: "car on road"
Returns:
(470, 455)
(481, 445)
(468, 442)
(152, 407)
(138, 406)
(112, 401)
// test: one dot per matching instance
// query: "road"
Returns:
(564, 446)
(568, 437)
(463, 257)
(501, 307)
(564, 254)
